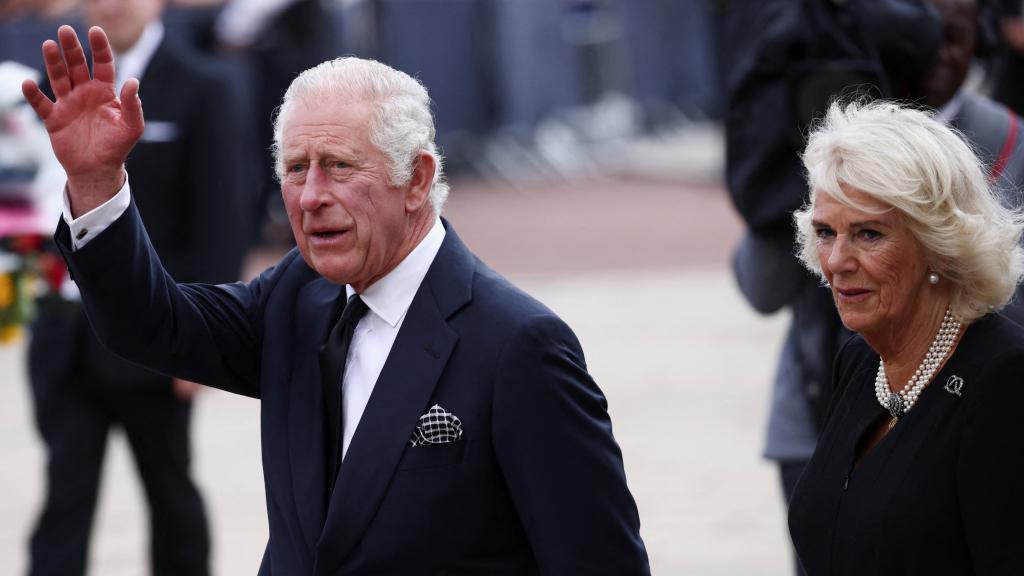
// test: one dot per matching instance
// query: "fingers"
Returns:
(131, 106)
(78, 68)
(102, 56)
(56, 71)
(36, 99)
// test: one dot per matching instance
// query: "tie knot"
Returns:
(354, 311)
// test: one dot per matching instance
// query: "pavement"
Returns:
(638, 266)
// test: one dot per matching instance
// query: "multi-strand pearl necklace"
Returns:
(899, 403)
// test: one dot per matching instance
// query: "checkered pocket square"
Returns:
(437, 426)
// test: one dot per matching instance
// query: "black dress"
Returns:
(942, 492)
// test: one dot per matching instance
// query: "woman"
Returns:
(918, 467)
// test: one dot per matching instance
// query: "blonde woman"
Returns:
(917, 469)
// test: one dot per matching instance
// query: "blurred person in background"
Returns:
(1009, 85)
(917, 468)
(784, 61)
(992, 129)
(419, 413)
(24, 24)
(48, 9)
(187, 177)
(275, 40)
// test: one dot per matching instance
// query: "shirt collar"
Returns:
(132, 63)
(950, 109)
(391, 296)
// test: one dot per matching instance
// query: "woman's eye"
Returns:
(868, 234)
(824, 233)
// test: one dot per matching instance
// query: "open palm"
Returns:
(91, 129)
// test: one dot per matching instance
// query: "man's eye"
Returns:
(296, 168)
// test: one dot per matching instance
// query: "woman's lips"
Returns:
(852, 294)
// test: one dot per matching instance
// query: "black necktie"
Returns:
(332, 370)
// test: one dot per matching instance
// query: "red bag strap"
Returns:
(1008, 146)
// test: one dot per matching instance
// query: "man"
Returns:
(1009, 69)
(188, 185)
(466, 437)
(993, 129)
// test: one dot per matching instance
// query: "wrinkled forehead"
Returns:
(344, 118)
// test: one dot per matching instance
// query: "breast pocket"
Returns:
(160, 132)
(434, 455)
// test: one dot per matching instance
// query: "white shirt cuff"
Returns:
(92, 223)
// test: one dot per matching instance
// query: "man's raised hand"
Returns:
(91, 130)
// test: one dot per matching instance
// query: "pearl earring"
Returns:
(933, 278)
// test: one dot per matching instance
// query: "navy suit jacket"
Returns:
(535, 486)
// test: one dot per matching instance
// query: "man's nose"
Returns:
(315, 192)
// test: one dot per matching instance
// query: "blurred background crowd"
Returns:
(664, 133)
(524, 89)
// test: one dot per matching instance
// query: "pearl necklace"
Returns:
(899, 403)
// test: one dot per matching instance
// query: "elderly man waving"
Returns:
(419, 413)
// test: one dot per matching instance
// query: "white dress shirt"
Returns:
(132, 63)
(950, 109)
(388, 300)
(88, 225)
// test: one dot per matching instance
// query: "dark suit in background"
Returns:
(188, 184)
(535, 486)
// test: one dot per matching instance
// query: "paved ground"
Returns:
(639, 269)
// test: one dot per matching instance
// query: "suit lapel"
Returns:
(399, 398)
(318, 305)
(155, 70)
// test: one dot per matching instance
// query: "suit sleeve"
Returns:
(204, 333)
(553, 439)
(989, 470)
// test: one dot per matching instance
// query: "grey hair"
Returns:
(401, 124)
(928, 173)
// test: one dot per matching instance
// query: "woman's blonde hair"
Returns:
(925, 170)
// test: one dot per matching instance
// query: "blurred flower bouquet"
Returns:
(29, 267)
(31, 273)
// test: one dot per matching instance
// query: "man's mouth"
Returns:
(326, 237)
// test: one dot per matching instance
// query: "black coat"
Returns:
(940, 493)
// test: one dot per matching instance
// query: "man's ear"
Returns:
(418, 189)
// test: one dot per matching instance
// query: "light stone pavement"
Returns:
(639, 270)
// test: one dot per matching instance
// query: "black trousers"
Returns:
(74, 415)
